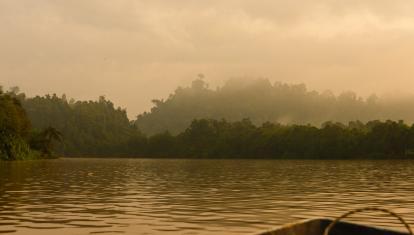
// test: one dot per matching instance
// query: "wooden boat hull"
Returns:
(318, 226)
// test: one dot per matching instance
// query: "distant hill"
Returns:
(261, 101)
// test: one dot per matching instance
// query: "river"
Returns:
(152, 196)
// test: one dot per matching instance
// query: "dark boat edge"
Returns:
(317, 227)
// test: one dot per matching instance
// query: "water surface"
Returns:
(144, 196)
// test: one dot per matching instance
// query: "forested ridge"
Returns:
(261, 101)
(256, 120)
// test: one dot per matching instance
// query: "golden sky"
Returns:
(135, 50)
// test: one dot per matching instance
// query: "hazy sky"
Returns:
(135, 50)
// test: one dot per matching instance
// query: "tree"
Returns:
(14, 128)
(261, 101)
(50, 135)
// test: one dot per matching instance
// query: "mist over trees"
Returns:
(239, 120)
(261, 101)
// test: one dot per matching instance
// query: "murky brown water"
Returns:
(96, 196)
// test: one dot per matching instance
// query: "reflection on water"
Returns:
(118, 196)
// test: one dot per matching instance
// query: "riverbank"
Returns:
(207, 138)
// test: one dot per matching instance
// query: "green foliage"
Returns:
(16, 148)
(13, 118)
(207, 138)
(186, 125)
(87, 127)
(14, 129)
(16, 136)
(262, 101)
(44, 140)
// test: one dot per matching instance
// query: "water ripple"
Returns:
(114, 196)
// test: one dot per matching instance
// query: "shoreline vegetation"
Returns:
(18, 141)
(284, 122)
(219, 139)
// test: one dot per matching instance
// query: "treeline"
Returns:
(261, 101)
(98, 128)
(89, 128)
(206, 138)
(18, 141)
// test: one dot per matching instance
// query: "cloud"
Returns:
(136, 50)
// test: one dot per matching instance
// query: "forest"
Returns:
(262, 101)
(18, 141)
(256, 120)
